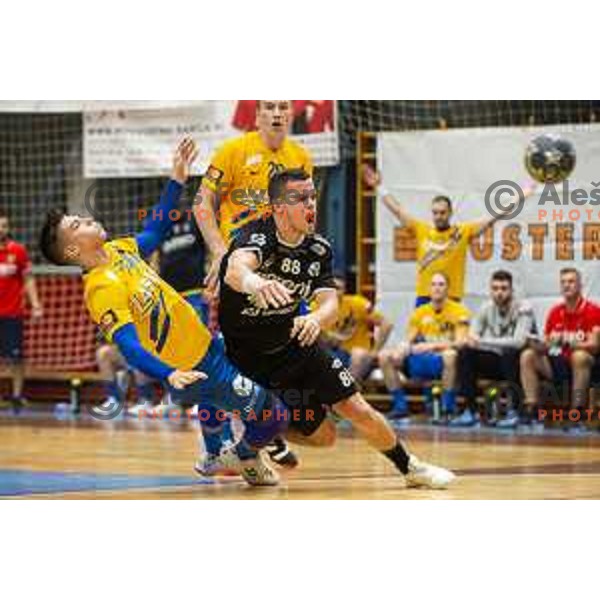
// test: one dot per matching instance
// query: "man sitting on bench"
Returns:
(436, 331)
(499, 334)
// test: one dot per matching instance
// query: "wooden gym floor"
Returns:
(41, 457)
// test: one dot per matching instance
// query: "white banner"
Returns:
(140, 142)
(463, 164)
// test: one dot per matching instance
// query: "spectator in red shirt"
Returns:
(571, 341)
(16, 280)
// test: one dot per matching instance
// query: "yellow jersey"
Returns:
(127, 290)
(355, 322)
(239, 173)
(442, 252)
(429, 325)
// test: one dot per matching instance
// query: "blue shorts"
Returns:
(11, 338)
(424, 366)
(199, 304)
(421, 300)
(225, 387)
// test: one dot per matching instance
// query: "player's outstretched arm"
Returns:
(136, 356)
(373, 180)
(241, 276)
(481, 226)
(158, 224)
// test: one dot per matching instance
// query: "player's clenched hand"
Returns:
(267, 292)
(307, 329)
(185, 155)
(181, 379)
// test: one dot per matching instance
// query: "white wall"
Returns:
(462, 164)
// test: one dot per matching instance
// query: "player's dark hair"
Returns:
(49, 243)
(503, 276)
(443, 199)
(3, 213)
(278, 183)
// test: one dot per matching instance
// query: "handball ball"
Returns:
(550, 158)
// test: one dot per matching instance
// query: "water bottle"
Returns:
(75, 396)
(492, 397)
(436, 398)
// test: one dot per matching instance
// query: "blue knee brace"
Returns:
(271, 421)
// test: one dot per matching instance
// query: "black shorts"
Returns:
(561, 368)
(11, 338)
(307, 380)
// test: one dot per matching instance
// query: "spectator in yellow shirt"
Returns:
(359, 333)
(436, 331)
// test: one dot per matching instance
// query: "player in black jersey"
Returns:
(181, 262)
(272, 267)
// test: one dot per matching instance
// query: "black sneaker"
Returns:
(279, 452)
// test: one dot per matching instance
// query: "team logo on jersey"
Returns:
(7, 270)
(315, 269)
(108, 321)
(337, 364)
(242, 386)
(319, 249)
(256, 159)
(260, 239)
(214, 175)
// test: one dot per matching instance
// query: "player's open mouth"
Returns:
(310, 217)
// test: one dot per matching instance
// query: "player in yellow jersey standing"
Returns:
(234, 188)
(441, 246)
(234, 193)
(155, 328)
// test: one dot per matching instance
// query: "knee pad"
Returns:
(272, 420)
(212, 422)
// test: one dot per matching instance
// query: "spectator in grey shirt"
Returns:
(498, 335)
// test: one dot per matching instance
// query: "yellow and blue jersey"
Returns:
(240, 172)
(427, 324)
(127, 291)
(442, 252)
(355, 322)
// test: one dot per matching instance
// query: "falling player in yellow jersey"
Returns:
(359, 333)
(441, 246)
(156, 329)
(234, 193)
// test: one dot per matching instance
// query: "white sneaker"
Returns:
(257, 472)
(422, 474)
(226, 464)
